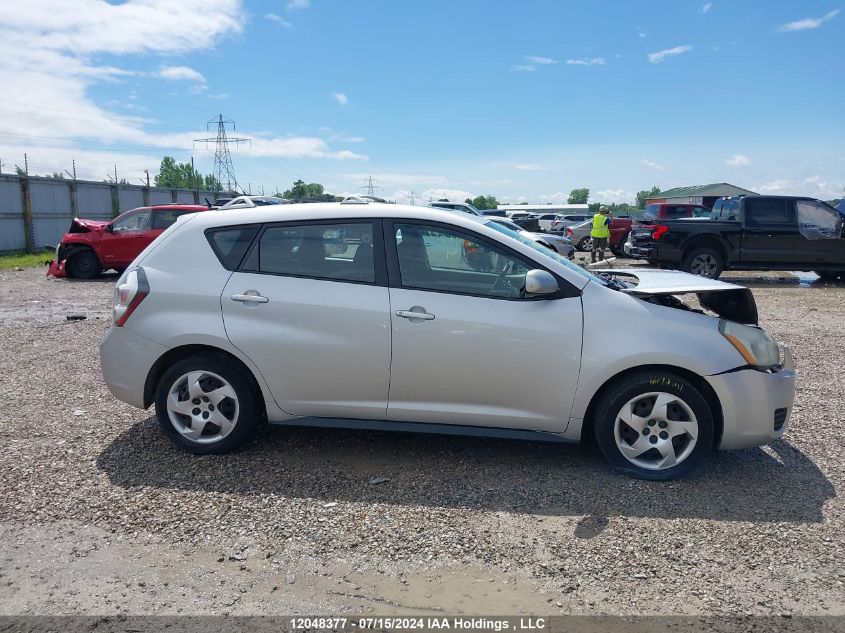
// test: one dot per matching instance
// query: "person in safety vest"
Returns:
(600, 233)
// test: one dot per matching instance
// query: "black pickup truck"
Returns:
(750, 233)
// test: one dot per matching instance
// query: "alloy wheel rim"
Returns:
(703, 265)
(202, 406)
(656, 430)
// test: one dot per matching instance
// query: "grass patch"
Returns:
(18, 259)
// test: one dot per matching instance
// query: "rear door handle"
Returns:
(410, 314)
(250, 298)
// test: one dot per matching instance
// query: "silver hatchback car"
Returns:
(384, 316)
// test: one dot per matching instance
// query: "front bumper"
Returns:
(753, 404)
(638, 252)
(126, 359)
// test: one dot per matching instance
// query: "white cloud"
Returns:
(706, 8)
(738, 161)
(530, 167)
(555, 198)
(659, 56)
(613, 195)
(298, 4)
(455, 195)
(540, 61)
(180, 73)
(808, 23)
(595, 61)
(523, 68)
(48, 66)
(278, 19)
(642, 34)
(341, 98)
(813, 186)
(650, 163)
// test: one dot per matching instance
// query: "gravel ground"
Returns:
(100, 515)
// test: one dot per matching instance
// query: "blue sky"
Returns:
(523, 100)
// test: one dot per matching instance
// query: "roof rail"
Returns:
(354, 200)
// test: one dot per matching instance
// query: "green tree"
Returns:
(312, 192)
(175, 175)
(579, 196)
(646, 193)
(484, 202)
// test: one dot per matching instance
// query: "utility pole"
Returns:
(413, 197)
(224, 170)
(26, 164)
(74, 200)
(195, 178)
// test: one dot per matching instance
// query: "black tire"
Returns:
(642, 383)
(245, 421)
(585, 244)
(619, 251)
(831, 275)
(84, 264)
(704, 261)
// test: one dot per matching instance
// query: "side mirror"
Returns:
(540, 282)
(109, 227)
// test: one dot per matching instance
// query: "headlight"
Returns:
(755, 345)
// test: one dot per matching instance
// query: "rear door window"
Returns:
(700, 212)
(768, 211)
(164, 219)
(333, 251)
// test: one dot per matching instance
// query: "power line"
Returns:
(224, 170)
(371, 187)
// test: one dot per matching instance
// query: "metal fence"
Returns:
(36, 211)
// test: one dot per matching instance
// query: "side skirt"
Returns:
(425, 427)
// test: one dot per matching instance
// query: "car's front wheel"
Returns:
(654, 425)
(586, 244)
(84, 264)
(206, 405)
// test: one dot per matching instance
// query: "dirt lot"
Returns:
(100, 515)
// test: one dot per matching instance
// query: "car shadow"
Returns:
(777, 484)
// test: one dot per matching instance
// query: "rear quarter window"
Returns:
(230, 244)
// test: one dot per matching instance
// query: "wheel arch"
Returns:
(176, 354)
(698, 381)
(706, 241)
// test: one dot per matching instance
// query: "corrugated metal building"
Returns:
(700, 194)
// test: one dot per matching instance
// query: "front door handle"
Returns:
(250, 296)
(413, 314)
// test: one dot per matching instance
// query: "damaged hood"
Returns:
(729, 301)
(78, 225)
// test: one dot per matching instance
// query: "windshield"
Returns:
(546, 252)
(511, 225)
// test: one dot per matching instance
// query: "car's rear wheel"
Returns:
(705, 262)
(654, 425)
(206, 405)
(619, 249)
(84, 264)
(586, 244)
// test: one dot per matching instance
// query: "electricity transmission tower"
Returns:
(224, 170)
(371, 187)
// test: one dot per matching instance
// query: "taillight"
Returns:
(129, 295)
(569, 232)
(658, 231)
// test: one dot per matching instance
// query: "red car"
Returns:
(92, 246)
